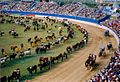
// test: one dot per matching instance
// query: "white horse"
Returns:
(3, 59)
(28, 52)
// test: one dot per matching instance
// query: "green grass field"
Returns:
(6, 41)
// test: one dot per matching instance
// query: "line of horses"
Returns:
(46, 63)
(14, 77)
(13, 55)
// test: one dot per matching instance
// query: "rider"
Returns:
(109, 45)
(92, 56)
(102, 47)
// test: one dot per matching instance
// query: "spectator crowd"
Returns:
(111, 73)
(75, 9)
(114, 24)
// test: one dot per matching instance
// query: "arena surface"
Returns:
(74, 69)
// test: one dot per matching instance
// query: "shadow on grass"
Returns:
(15, 61)
(39, 73)
(24, 58)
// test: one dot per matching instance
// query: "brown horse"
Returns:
(90, 62)
(43, 59)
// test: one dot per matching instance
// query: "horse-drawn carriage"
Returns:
(90, 62)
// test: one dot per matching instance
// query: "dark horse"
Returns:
(90, 61)
(31, 69)
(3, 79)
(2, 33)
(15, 75)
(44, 63)
(12, 56)
(109, 46)
(106, 33)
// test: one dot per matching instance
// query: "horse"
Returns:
(29, 39)
(57, 58)
(22, 46)
(26, 52)
(60, 56)
(106, 33)
(75, 47)
(2, 51)
(15, 35)
(35, 37)
(109, 46)
(47, 46)
(65, 55)
(90, 62)
(41, 49)
(31, 69)
(45, 64)
(3, 79)
(102, 51)
(13, 48)
(3, 59)
(27, 28)
(15, 75)
(69, 49)
(12, 56)
(2, 33)
(81, 44)
(43, 59)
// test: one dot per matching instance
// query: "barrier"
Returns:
(73, 18)
(4, 3)
(105, 18)
(54, 15)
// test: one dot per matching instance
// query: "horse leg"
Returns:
(49, 65)
(10, 58)
(41, 68)
(35, 70)
(100, 54)
(66, 56)
(61, 58)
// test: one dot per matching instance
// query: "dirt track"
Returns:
(74, 70)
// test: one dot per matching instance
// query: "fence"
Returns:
(54, 15)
